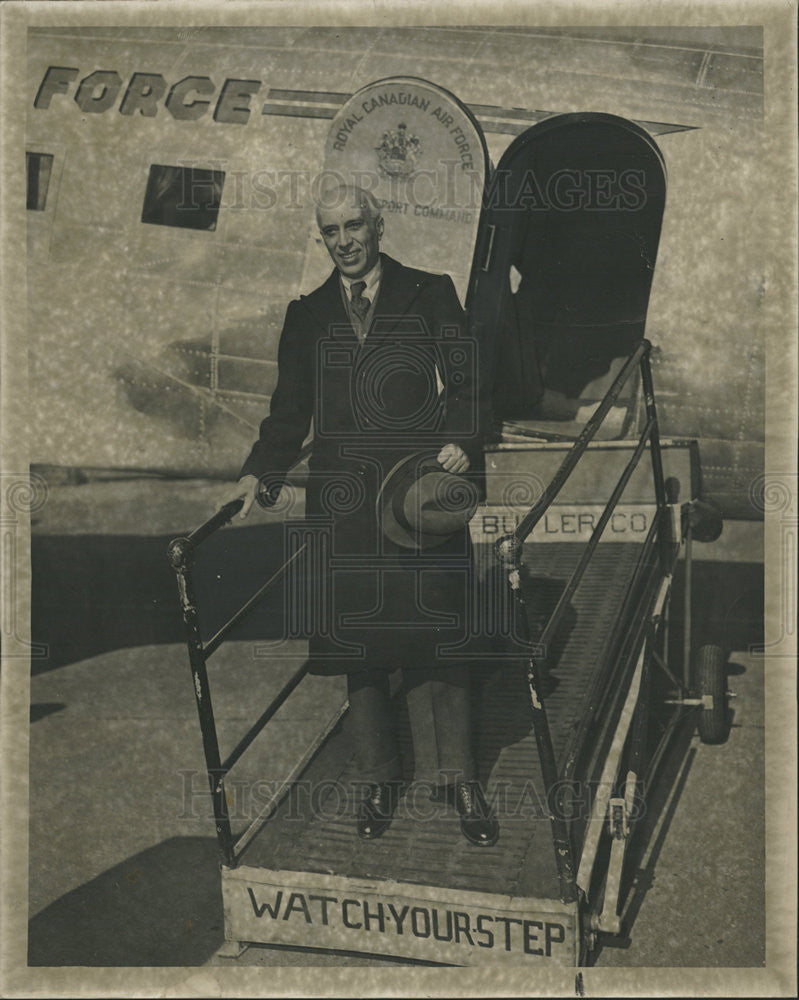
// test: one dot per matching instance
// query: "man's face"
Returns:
(351, 236)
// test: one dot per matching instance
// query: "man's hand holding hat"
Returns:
(423, 501)
(453, 458)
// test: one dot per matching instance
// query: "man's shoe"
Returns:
(478, 823)
(377, 809)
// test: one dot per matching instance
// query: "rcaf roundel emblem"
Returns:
(398, 151)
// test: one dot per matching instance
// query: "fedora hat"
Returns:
(421, 505)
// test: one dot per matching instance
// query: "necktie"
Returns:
(360, 304)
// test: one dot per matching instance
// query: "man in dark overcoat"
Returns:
(378, 358)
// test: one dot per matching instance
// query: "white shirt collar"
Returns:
(372, 279)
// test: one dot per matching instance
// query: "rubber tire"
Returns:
(711, 679)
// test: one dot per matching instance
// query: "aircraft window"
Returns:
(187, 197)
(39, 167)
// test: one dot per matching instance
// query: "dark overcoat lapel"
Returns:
(399, 288)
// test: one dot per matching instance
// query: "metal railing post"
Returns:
(686, 633)
(664, 531)
(510, 553)
(180, 554)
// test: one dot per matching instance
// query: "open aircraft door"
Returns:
(559, 290)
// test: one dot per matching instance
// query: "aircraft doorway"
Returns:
(570, 237)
